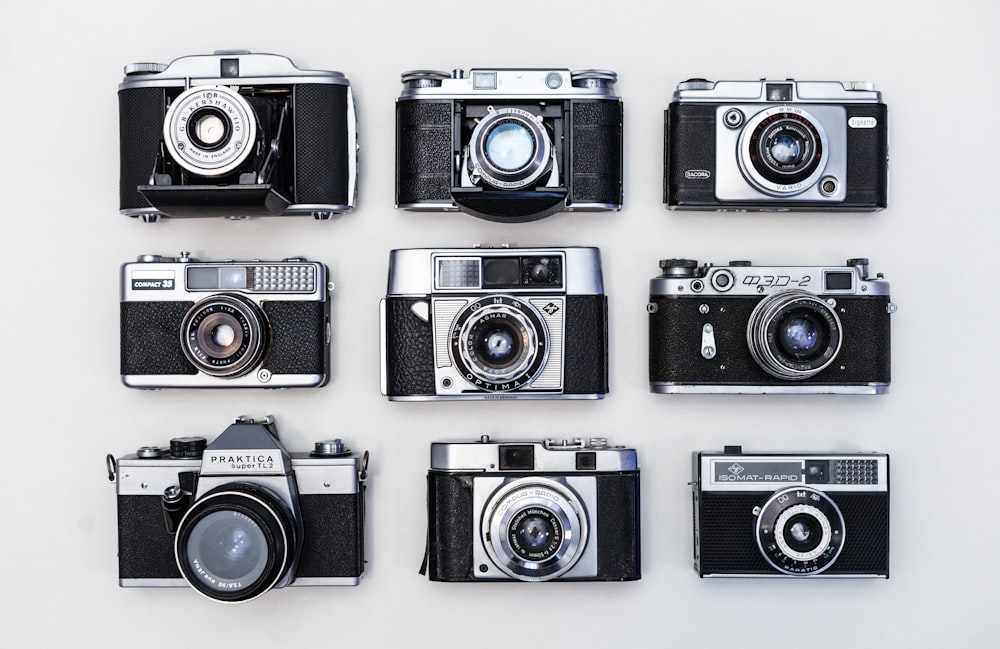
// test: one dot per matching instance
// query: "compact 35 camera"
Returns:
(191, 323)
(797, 514)
(532, 511)
(776, 145)
(768, 329)
(494, 323)
(236, 134)
(240, 516)
(509, 145)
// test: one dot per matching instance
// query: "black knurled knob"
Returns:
(187, 446)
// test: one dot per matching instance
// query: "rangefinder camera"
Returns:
(776, 146)
(509, 145)
(236, 134)
(532, 511)
(494, 323)
(791, 514)
(240, 516)
(187, 323)
(750, 329)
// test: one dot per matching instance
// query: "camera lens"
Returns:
(210, 130)
(509, 149)
(224, 335)
(785, 149)
(803, 532)
(509, 146)
(793, 335)
(781, 151)
(235, 543)
(501, 346)
(498, 345)
(800, 531)
(535, 529)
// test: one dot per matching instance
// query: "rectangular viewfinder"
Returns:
(502, 272)
(216, 277)
(839, 281)
(779, 91)
(484, 80)
(517, 457)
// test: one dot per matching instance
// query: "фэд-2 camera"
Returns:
(240, 516)
(791, 514)
(236, 134)
(532, 511)
(776, 145)
(747, 329)
(509, 145)
(191, 323)
(494, 323)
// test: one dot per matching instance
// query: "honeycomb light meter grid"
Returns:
(458, 273)
(284, 278)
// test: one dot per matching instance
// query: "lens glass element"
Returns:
(785, 149)
(510, 146)
(498, 344)
(800, 334)
(535, 534)
(228, 549)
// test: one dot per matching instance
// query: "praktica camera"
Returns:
(740, 328)
(776, 146)
(204, 324)
(791, 514)
(240, 516)
(532, 511)
(494, 323)
(236, 134)
(509, 145)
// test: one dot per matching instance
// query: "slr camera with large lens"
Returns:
(791, 514)
(776, 146)
(202, 324)
(532, 511)
(236, 134)
(509, 145)
(768, 329)
(240, 516)
(494, 323)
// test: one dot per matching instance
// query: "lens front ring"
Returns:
(206, 553)
(779, 317)
(765, 133)
(509, 148)
(561, 515)
(499, 343)
(800, 531)
(210, 130)
(224, 335)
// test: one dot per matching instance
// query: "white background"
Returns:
(64, 407)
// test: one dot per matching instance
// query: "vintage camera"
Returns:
(768, 329)
(236, 134)
(776, 146)
(509, 145)
(791, 514)
(240, 516)
(201, 324)
(494, 323)
(532, 511)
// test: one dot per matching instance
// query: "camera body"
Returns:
(748, 329)
(791, 514)
(532, 511)
(236, 134)
(494, 323)
(240, 516)
(203, 324)
(776, 146)
(509, 145)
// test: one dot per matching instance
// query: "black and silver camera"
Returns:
(202, 324)
(236, 134)
(509, 145)
(791, 514)
(494, 323)
(768, 329)
(532, 511)
(776, 146)
(240, 516)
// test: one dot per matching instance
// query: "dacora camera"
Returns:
(776, 146)
(241, 515)
(236, 134)
(548, 510)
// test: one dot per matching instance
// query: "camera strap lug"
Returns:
(363, 468)
(708, 349)
(112, 466)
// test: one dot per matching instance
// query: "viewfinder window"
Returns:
(517, 458)
(779, 92)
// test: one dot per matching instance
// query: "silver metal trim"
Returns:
(746, 91)
(484, 455)
(679, 388)
(510, 83)
(822, 575)
(255, 69)
(704, 463)
(759, 281)
(257, 379)
(181, 583)
(498, 396)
